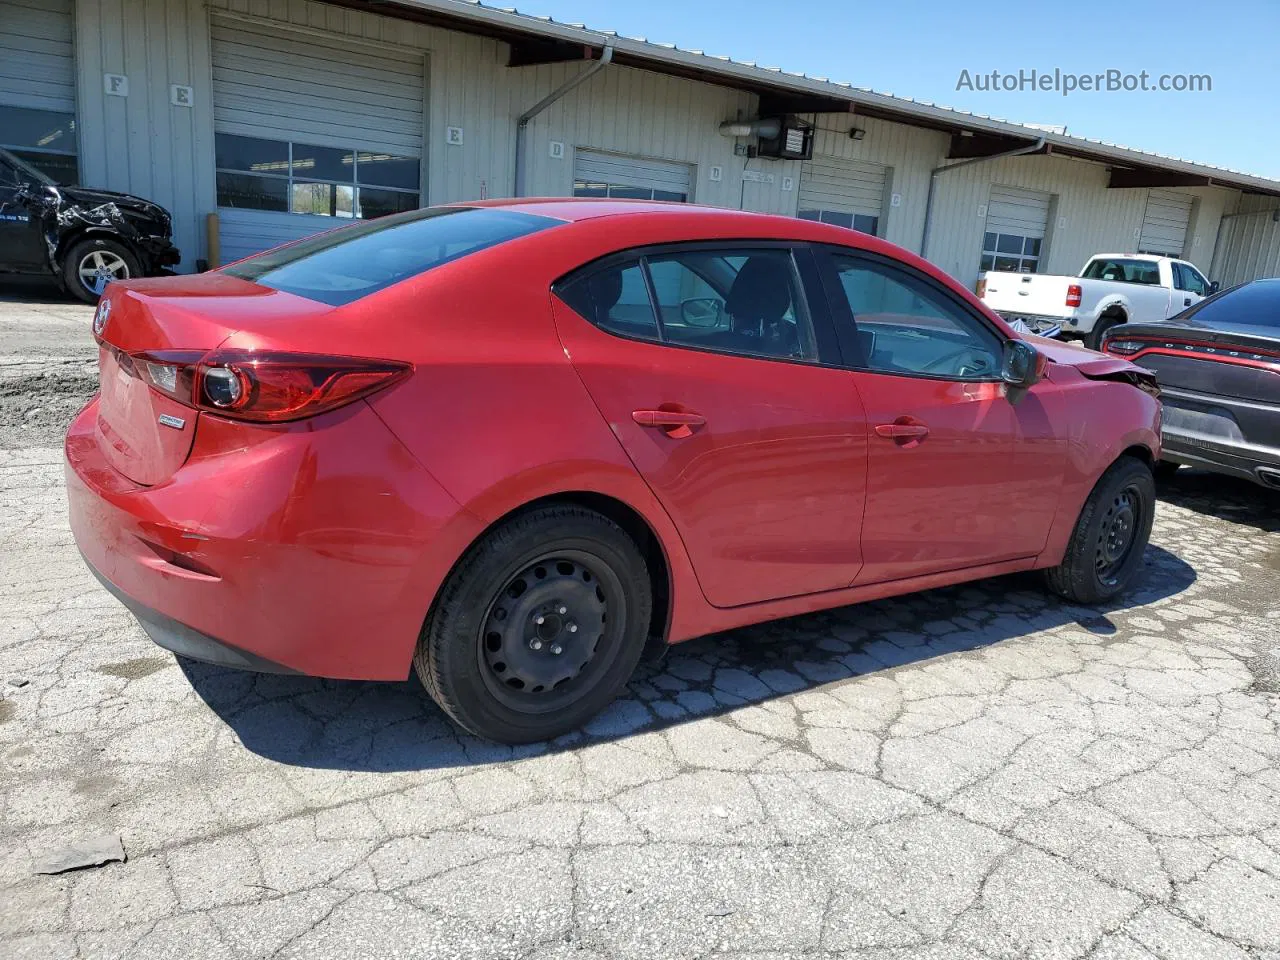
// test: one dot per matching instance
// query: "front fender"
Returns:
(1109, 418)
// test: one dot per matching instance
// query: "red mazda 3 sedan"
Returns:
(508, 443)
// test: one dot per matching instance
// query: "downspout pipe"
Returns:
(522, 124)
(938, 171)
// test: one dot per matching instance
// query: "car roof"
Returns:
(573, 209)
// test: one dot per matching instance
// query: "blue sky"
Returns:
(917, 48)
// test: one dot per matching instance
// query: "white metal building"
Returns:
(279, 116)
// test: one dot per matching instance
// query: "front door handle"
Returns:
(905, 431)
(674, 423)
(1186, 301)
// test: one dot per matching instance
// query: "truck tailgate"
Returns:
(1029, 294)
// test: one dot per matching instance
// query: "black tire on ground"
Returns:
(562, 577)
(1106, 549)
(103, 256)
(1163, 470)
(1093, 339)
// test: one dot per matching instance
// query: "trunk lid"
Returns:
(144, 434)
(1237, 361)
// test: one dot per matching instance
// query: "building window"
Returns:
(584, 188)
(45, 139)
(1010, 252)
(852, 221)
(286, 177)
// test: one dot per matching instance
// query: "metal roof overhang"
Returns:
(536, 40)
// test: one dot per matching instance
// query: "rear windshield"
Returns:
(345, 265)
(1126, 271)
(1255, 304)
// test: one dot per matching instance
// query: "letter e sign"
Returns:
(181, 96)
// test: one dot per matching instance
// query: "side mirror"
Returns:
(1022, 365)
(1214, 286)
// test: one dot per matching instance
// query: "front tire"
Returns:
(1106, 548)
(539, 626)
(94, 262)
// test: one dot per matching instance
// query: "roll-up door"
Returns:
(1164, 225)
(310, 127)
(847, 193)
(38, 84)
(598, 174)
(1017, 221)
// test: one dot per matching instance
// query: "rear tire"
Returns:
(539, 626)
(1093, 339)
(1106, 548)
(93, 262)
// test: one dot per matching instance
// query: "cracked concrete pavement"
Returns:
(977, 772)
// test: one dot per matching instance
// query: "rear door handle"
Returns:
(667, 418)
(904, 431)
(676, 424)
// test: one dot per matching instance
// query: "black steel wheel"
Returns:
(539, 626)
(1116, 535)
(1104, 554)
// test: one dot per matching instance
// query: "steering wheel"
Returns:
(982, 364)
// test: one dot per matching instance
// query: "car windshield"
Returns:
(26, 169)
(1255, 304)
(343, 265)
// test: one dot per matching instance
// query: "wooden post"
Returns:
(212, 240)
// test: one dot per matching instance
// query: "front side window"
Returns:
(1010, 252)
(730, 301)
(863, 223)
(1188, 278)
(904, 325)
(44, 139)
(288, 177)
(340, 266)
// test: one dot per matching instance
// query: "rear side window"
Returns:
(740, 301)
(344, 265)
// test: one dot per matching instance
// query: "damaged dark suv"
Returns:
(83, 238)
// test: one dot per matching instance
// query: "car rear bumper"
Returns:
(312, 549)
(1204, 431)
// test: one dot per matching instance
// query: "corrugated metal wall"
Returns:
(143, 143)
(1250, 245)
(147, 145)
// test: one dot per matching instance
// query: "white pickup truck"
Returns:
(1112, 288)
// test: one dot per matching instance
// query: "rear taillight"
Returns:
(266, 387)
(1074, 294)
(1123, 348)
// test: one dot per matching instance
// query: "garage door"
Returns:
(848, 193)
(310, 130)
(1164, 225)
(597, 174)
(38, 84)
(1017, 221)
